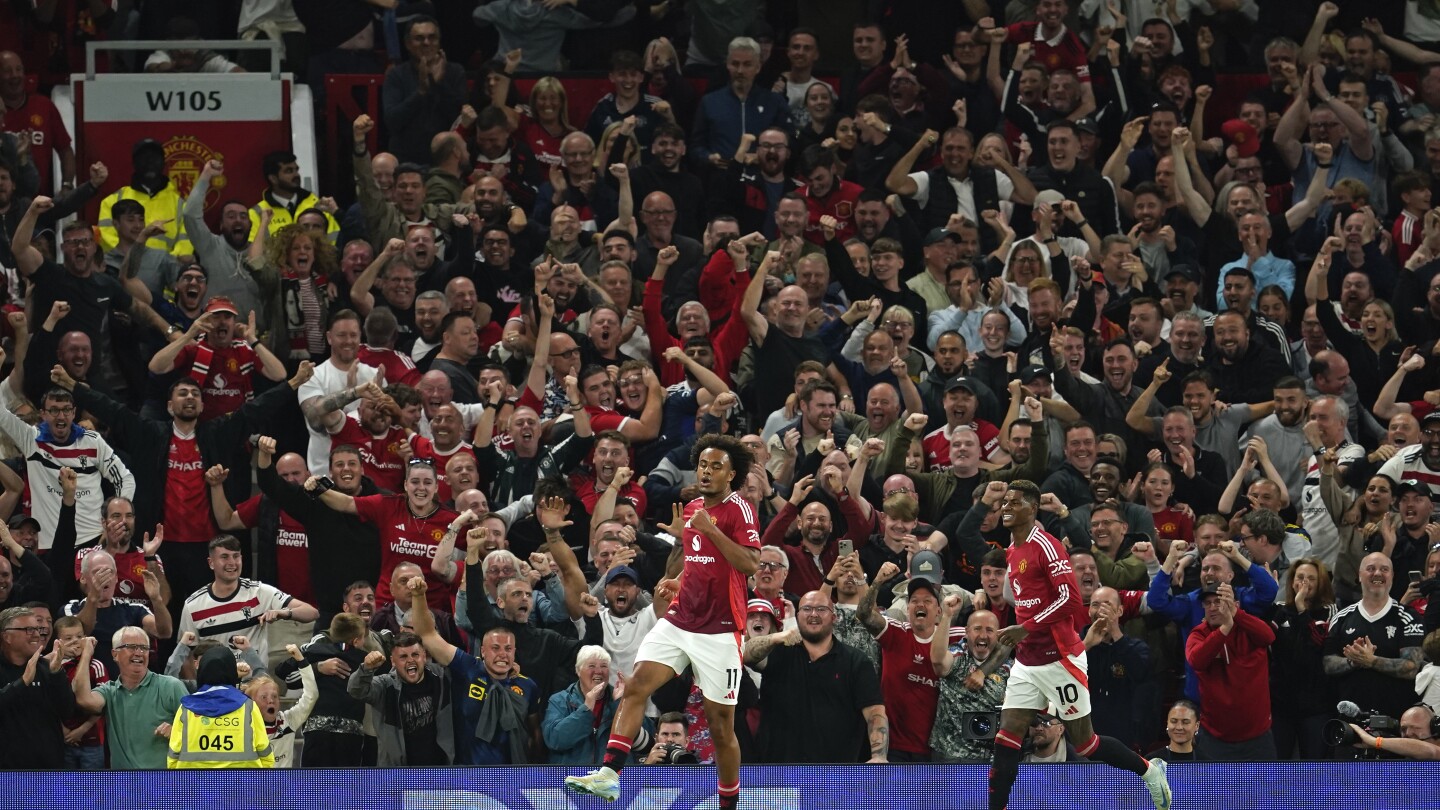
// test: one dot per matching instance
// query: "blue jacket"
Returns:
(1257, 598)
(723, 118)
(574, 737)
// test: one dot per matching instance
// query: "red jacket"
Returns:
(722, 290)
(1234, 675)
(804, 576)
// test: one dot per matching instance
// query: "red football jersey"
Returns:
(380, 458)
(227, 371)
(1047, 599)
(712, 593)
(936, 445)
(909, 685)
(407, 538)
(839, 203)
(292, 550)
(398, 365)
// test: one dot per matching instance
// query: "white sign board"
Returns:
(188, 97)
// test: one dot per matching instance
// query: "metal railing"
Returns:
(92, 48)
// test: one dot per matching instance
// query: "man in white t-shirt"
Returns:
(332, 388)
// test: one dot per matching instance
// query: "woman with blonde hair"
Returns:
(299, 304)
(545, 121)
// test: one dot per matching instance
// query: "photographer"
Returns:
(1418, 740)
(672, 741)
(973, 672)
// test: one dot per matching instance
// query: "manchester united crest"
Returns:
(185, 157)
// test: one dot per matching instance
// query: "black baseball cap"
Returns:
(1185, 271)
(940, 235)
(1033, 372)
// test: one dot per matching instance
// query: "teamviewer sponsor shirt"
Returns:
(405, 537)
(712, 592)
(292, 550)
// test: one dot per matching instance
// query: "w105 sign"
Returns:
(191, 97)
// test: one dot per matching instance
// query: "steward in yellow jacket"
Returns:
(218, 726)
(152, 189)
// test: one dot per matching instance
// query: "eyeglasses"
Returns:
(60, 411)
(133, 647)
(771, 566)
(1102, 523)
(815, 609)
(575, 352)
(1046, 723)
(32, 631)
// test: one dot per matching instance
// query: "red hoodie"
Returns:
(1234, 676)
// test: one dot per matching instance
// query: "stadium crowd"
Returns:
(274, 464)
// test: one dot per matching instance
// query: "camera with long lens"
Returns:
(678, 755)
(979, 725)
(1338, 733)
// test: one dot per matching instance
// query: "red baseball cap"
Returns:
(221, 304)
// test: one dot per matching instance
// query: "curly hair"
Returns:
(277, 250)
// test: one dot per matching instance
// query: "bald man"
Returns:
(284, 542)
(449, 163)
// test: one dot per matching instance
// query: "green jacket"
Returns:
(935, 489)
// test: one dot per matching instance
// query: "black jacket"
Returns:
(30, 732)
(148, 443)
(545, 656)
(343, 548)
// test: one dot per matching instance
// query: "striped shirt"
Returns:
(209, 616)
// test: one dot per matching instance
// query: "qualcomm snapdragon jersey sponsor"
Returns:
(1047, 599)
(712, 593)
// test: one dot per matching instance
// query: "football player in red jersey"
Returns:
(1049, 663)
(703, 629)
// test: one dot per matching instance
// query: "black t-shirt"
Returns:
(92, 299)
(1173, 756)
(418, 718)
(502, 289)
(406, 331)
(812, 711)
(775, 364)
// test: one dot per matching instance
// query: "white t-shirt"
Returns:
(327, 380)
(239, 615)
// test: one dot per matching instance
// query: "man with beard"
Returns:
(449, 167)
(1422, 461)
(431, 308)
(324, 398)
(753, 185)
(221, 355)
(665, 172)
(286, 199)
(416, 725)
(817, 550)
(1182, 286)
(818, 404)
(1160, 248)
(825, 688)
(222, 255)
(1242, 367)
(132, 557)
(156, 194)
(397, 277)
(384, 444)
(908, 679)
(1180, 355)
(1217, 430)
(951, 360)
(1284, 432)
(1217, 567)
(1111, 542)
(1105, 479)
(972, 675)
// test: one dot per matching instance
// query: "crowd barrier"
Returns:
(1388, 785)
